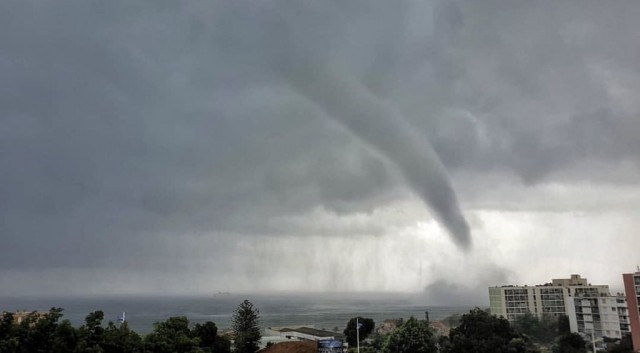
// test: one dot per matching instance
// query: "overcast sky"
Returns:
(246, 146)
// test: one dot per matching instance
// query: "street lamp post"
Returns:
(358, 333)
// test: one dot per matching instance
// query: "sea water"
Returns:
(328, 311)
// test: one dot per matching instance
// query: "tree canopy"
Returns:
(621, 346)
(38, 333)
(172, 336)
(414, 336)
(481, 332)
(570, 343)
(351, 334)
(210, 342)
(541, 330)
(245, 322)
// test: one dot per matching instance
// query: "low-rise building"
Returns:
(302, 333)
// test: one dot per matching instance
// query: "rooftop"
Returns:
(310, 331)
(292, 347)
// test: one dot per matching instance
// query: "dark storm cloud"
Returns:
(150, 120)
(531, 89)
(124, 125)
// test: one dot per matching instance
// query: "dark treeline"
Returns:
(474, 332)
(480, 332)
(49, 333)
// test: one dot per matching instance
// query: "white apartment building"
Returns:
(603, 316)
(546, 299)
(590, 308)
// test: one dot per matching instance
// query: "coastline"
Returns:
(322, 311)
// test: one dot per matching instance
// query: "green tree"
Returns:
(351, 334)
(245, 322)
(570, 343)
(223, 345)
(172, 336)
(22, 336)
(379, 340)
(623, 346)
(121, 339)
(8, 335)
(563, 325)
(90, 334)
(66, 338)
(414, 336)
(481, 332)
(209, 339)
(40, 331)
(543, 330)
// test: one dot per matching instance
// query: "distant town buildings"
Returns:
(592, 310)
(632, 292)
(21, 315)
(440, 328)
(389, 325)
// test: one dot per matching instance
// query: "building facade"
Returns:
(547, 299)
(604, 316)
(592, 310)
(632, 292)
